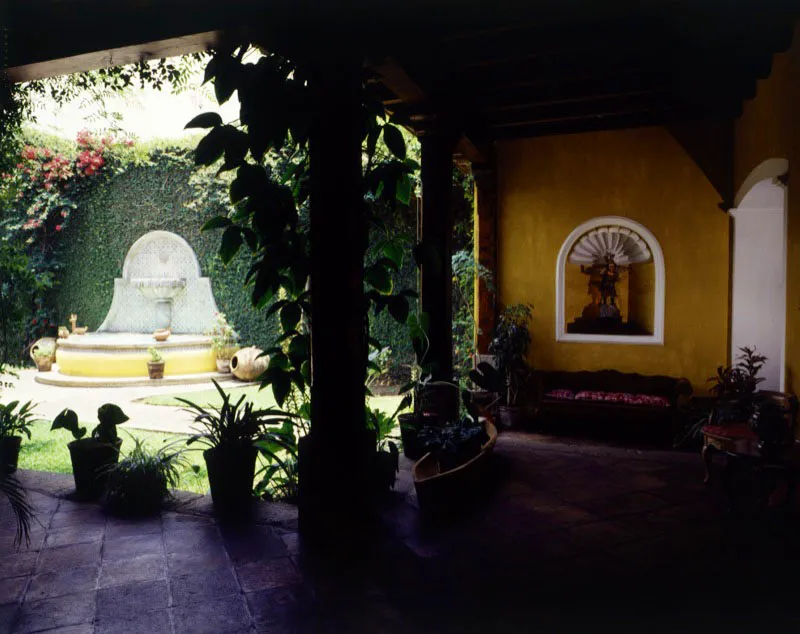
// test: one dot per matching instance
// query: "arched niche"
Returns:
(629, 244)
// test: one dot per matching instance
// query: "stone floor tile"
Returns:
(566, 515)
(200, 586)
(56, 583)
(16, 564)
(11, 589)
(180, 521)
(226, 615)
(272, 573)
(636, 502)
(48, 614)
(117, 527)
(8, 615)
(290, 606)
(85, 628)
(293, 542)
(129, 600)
(157, 622)
(8, 540)
(91, 516)
(598, 535)
(193, 539)
(72, 556)
(131, 547)
(124, 571)
(185, 563)
(78, 534)
(252, 543)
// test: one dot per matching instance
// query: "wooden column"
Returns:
(436, 237)
(333, 474)
(485, 175)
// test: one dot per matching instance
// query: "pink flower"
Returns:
(58, 227)
(64, 213)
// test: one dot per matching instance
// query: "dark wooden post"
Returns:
(333, 476)
(485, 175)
(436, 236)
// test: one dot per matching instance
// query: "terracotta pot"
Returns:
(9, 452)
(511, 417)
(162, 334)
(247, 365)
(224, 366)
(44, 365)
(156, 369)
(91, 461)
(44, 341)
(231, 471)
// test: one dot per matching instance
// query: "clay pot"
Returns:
(231, 471)
(44, 341)
(247, 365)
(91, 461)
(9, 452)
(223, 366)
(161, 334)
(44, 365)
(156, 370)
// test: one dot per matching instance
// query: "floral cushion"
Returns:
(561, 394)
(623, 397)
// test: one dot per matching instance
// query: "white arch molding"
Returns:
(657, 338)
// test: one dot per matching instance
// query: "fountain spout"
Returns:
(162, 290)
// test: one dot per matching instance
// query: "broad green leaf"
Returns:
(68, 420)
(378, 277)
(394, 140)
(398, 308)
(205, 120)
(110, 414)
(290, 316)
(216, 223)
(210, 147)
(231, 243)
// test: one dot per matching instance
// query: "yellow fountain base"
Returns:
(124, 355)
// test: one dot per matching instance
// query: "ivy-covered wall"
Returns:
(115, 213)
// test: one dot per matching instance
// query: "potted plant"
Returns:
(223, 342)
(91, 457)
(430, 400)
(140, 483)
(15, 420)
(454, 443)
(734, 387)
(770, 421)
(510, 345)
(155, 367)
(229, 432)
(386, 458)
(43, 356)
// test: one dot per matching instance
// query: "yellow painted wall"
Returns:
(769, 128)
(642, 285)
(550, 185)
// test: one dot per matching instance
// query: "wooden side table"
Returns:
(739, 444)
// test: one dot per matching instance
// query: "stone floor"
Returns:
(572, 538)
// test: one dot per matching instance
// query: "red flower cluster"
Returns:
(89, 162)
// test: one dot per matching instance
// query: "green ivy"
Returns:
(111, 217)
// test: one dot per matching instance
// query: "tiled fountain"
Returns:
(161, 287)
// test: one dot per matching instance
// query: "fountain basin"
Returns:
(159, 288)
(125, 355)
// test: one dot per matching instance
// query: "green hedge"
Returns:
(121, 209)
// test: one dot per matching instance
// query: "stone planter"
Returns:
(91, 461)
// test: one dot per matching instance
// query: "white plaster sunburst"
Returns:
(622, 243)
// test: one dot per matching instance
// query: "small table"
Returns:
(738, 443)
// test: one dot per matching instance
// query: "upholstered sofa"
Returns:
(608, 402)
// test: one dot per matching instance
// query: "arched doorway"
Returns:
(758, 311)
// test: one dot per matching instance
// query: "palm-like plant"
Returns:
(229, 423)
(12, 488)
(16, 418)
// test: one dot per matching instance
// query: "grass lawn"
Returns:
(262, 398)
(47, 451)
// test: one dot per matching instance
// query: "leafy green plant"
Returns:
(141, 482)
(231, 422)
(454, 443)
(386, 459)
(465, 271)
(741, 378)
(223, 337)
(155, 355)
(16, 418)
(108, 415)
(510, 345)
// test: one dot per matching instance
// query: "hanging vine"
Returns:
(268, 150)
